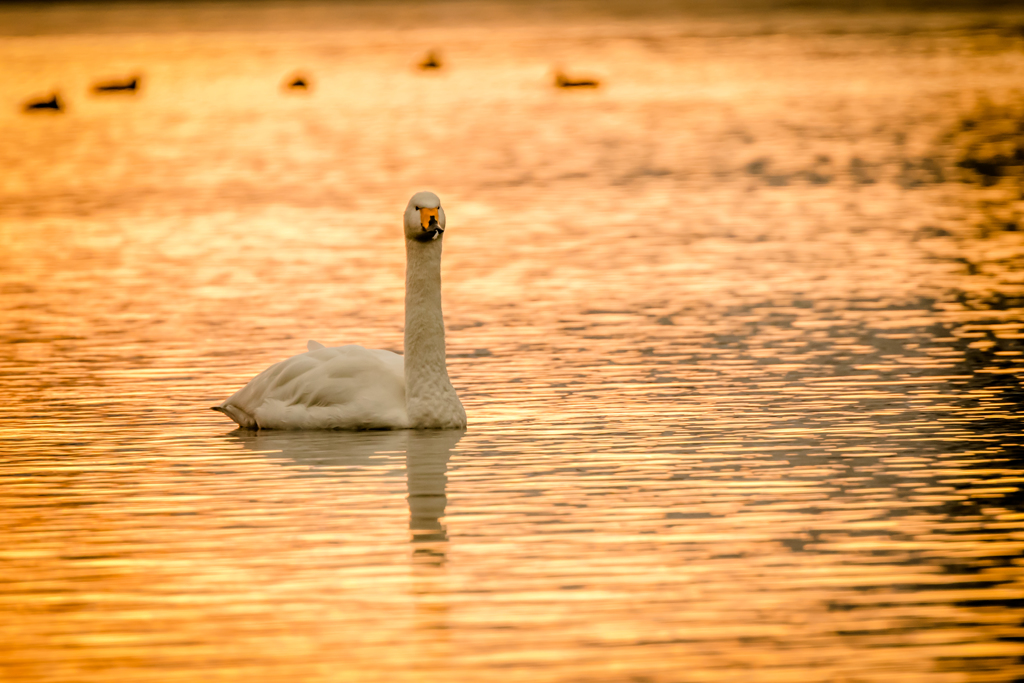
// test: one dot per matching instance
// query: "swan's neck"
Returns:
(430, 400)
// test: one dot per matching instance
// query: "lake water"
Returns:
(739, 335)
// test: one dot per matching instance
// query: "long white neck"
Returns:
(430, 400)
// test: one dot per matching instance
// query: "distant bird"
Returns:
(563, 81)
(52, 104)
(118, 86)
(432, 61)
(297, 82)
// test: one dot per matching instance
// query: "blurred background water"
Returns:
(739, 334)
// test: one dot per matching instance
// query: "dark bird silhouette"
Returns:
(432, 61)
(297, 82)
(52, 104)
(563, 81)
(118, 86)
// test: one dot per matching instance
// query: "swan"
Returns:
(351, 387)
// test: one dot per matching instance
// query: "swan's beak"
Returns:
(426, 215)
(431, 227)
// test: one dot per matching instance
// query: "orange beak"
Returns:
(426, 215)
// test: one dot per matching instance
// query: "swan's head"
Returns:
(424, 218)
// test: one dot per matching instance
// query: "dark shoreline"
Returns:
(26, 18)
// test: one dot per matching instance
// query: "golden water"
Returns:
(742, 372)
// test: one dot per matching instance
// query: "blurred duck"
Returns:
(297, 82)
(118, 86)
(563, 81)
(432, 61)
(52, 104)
(351, 387)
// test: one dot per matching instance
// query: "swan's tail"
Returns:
(243, 419)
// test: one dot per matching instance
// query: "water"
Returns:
(738, 333)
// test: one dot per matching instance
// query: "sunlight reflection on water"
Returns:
(738, 333)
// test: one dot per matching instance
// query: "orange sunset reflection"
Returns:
(738, 327)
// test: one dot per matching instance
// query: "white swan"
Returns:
(350, 387)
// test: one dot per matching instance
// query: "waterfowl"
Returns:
(432, 61)
(563, 81)
(297, 82)
(351, 387)
(52, 104)
(118, 86)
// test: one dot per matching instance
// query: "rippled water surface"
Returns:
(739, 334)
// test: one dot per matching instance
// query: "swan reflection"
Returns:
(340, 453)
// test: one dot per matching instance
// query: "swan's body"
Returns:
(348, 387)
(351, 387)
